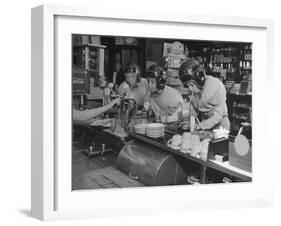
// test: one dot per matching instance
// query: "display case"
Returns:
(91, 58)
(174, 56)
(232, 62)
(240, 112)
(80, 81)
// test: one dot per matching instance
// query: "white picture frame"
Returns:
(52, 197)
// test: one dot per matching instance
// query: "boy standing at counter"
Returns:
(134, 86)
(164, 99)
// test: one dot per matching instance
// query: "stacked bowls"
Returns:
(154, 130)
(140, 129)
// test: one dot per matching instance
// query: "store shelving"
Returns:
(91, 57)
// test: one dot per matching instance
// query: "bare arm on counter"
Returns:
(83, 117)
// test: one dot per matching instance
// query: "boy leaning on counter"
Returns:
(209, 99)
(165, 100)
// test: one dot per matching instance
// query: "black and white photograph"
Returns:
(160, 112)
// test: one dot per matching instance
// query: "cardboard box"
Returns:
(219, 147)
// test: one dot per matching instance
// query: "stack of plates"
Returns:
(140, 128)
(154, 130)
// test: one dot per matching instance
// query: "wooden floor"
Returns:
(98, 172)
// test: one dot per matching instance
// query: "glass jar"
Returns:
(163, 117)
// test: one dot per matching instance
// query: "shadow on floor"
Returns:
(25, 212)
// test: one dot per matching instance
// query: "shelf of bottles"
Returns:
(232, 63)
(245, 63)
(221, 61)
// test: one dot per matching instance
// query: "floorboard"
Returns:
(98, 172)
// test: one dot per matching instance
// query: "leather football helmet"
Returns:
(158, 73)
(133, 68)
(192, 71)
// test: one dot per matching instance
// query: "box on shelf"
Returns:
(85, 39)
(219, 147)
(245, 87)
(95, 39)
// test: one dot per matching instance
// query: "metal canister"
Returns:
(150, 165)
